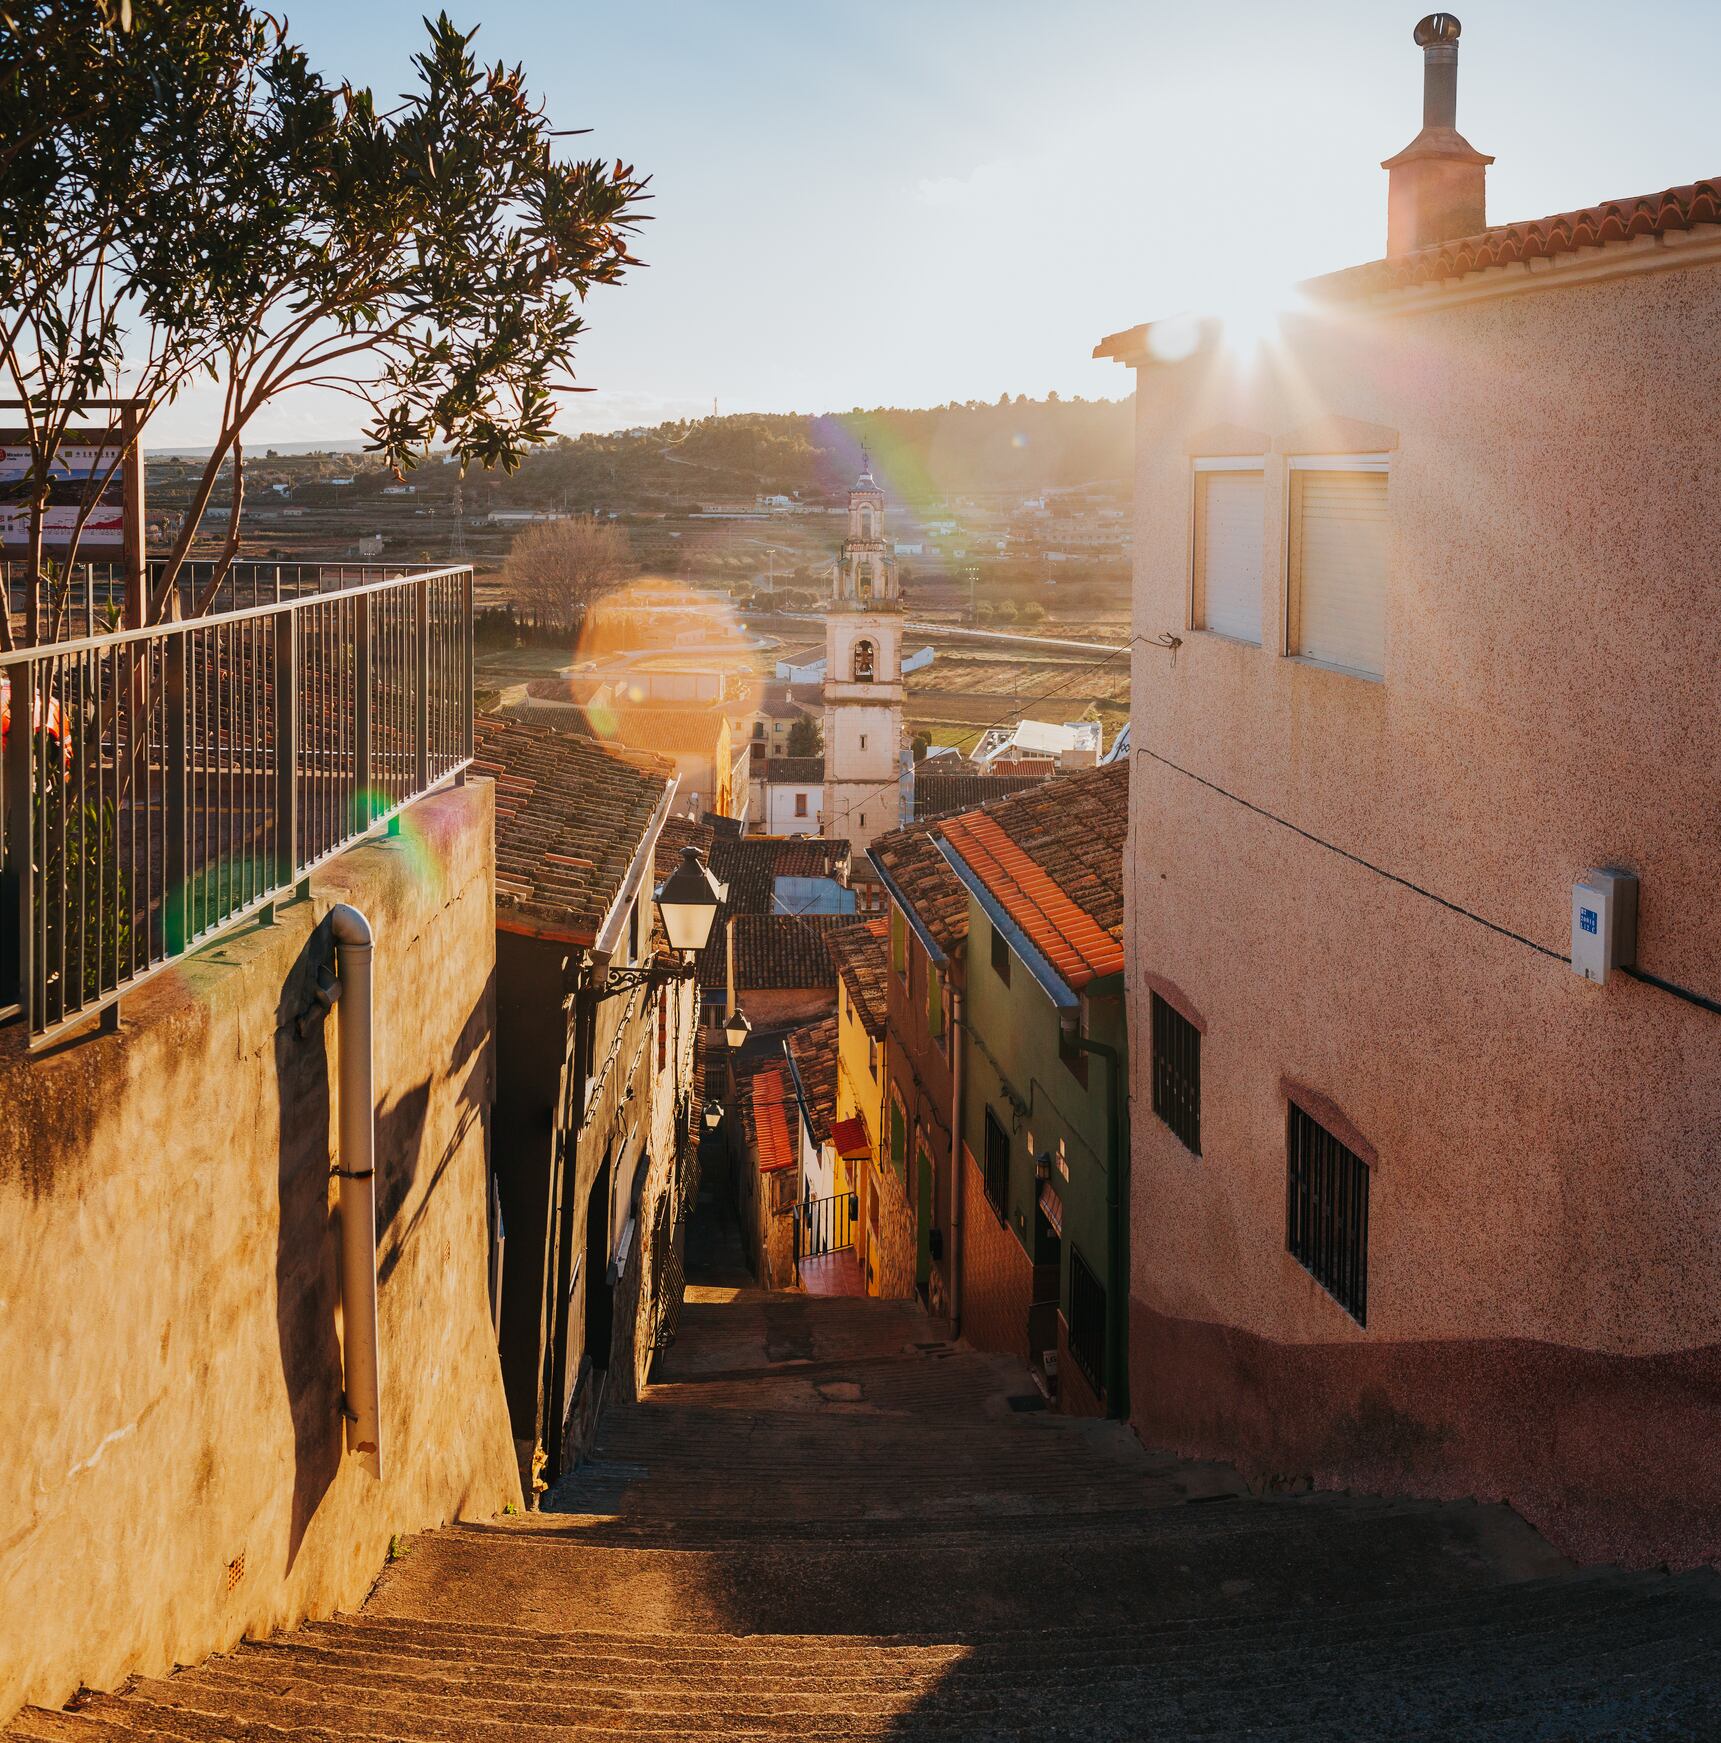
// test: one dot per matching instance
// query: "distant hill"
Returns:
(919, 456)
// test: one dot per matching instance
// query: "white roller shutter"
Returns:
(1339, 549)
(1231, 507)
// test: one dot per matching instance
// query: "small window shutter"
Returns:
(1341, 568)
(1232, 510)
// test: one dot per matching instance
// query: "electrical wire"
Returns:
(1666, 986)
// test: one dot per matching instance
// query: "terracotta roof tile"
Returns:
(1053, 860)
(812, 1052)
(769, 1117)
(862, 956)
(750, 865)
(794, 771)
(1504, 244)
(570, 815)
(939, 795)
(784, 951)
(923, 877)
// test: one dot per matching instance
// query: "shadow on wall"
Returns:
(306, 1291)
(307, 1242)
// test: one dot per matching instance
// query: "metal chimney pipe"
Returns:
(361, 1363)
(1437, 36)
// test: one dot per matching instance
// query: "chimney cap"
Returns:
(1438, 27)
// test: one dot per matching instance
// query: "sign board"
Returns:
(85, 469)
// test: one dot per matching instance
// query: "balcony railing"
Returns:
(160, 785)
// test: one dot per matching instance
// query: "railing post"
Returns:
(19, 884)
(286, 747)
(176, 892)
(362, 709)
(468, 676)
(421, 689)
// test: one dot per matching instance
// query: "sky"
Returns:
(905, 202)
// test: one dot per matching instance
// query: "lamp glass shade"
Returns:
(737, 1028)
(713, 1116)
(687, 901)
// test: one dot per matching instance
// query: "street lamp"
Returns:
(687, 902)
(737, 1029)
(713, 1115)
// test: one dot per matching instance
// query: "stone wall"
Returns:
(170, 1365)
(890, 1231)
(997, 1276)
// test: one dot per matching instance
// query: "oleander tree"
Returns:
(196, 201)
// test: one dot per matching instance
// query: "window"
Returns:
(997, 1163)
(1337, 563)
(1230, 524)
(758, 729)
(1177, 1073)
(1000, 956)
(863, 741)
(863, 662)
(800, 804)
(899, 942)
(934, 1002)
(1326, 1218)
(1087, 1321)
(1075, 1060)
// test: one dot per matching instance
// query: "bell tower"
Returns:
(863, 678)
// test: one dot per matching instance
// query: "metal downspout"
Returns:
(362, 1370)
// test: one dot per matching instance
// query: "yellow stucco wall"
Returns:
(170, 1373)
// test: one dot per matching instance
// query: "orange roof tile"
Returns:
(1053, 860)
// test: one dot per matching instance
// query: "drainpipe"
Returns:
(357, 1173)
(1117, 1286)
(956, 1180)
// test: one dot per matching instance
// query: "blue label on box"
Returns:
(1587, 919)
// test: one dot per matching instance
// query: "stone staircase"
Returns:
(826, 1522)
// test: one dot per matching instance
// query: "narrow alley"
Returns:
(823, 1520)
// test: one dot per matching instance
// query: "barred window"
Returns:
(997, 1163)
(1177, 1072)
(1087, 1321)
(1326, 1216)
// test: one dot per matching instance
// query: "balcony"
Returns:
(159, 786)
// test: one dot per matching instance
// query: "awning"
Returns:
(853, 1142)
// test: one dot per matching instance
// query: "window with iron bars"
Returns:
(1177, 1073)
(1087, 1321)
(1326, 1213)
(997, 1164)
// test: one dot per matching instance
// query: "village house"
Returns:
(594, 1049)
(1423, 941)
(1044, 1102)
(909, 1195)
(861, 955)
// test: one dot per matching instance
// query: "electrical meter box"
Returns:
(1604, 923)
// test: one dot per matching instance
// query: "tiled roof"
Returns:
(1053, 860)
(750, 866)
(570, 815)
(769, 1117)
(794, 771)
(781, 951)
(921, 874)
(938, 795)
(813, 1053)
(1674, 209)
(862, 956)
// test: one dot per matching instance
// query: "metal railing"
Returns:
(159, 785)
(825, 1225)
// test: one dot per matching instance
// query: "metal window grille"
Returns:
(1177, 1073)
(997, 1163)
(1087, 1321)
(1326, 1214)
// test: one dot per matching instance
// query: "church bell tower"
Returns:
(863, 679)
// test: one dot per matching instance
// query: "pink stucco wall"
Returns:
(1544, 1299)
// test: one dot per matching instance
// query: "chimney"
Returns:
(1437, 187)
